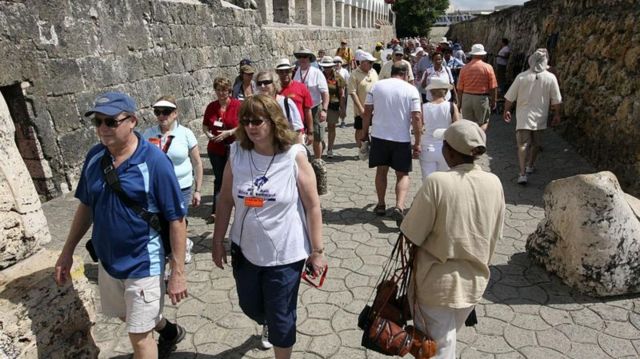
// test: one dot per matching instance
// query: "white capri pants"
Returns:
(431, 159)
(442, 325)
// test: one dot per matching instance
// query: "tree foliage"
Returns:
(415, 17)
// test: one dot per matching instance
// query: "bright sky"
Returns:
(482, 5)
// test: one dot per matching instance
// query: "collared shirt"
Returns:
(456, 220)
(360, 84)
(477, 77)
(533, 94)
(124, 242)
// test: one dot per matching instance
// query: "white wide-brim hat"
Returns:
(283, 64)
(477, 49)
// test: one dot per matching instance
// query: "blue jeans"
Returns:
(186, 197)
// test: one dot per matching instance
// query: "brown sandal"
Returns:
(380, 210)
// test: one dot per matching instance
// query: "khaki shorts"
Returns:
(333, 117)
(138, 300)
(318, 131)
(528, 138)
(476, 108)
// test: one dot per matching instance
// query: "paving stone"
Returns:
(579, 334)
(541, 353)
(554, 317)
(490, 326)
(491, 344)
(530, 322)
(588, 318)
(518, 338)
(623, 330)
(582, 351)
(609, 312)
(616, 347)
(553, 339)
(473, 353)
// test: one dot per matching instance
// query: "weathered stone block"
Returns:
(41, 320)
(64, 113)
(63, 76)
(590, 236)
(70, 142)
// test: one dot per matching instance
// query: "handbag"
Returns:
(155, 220)
(384, 323)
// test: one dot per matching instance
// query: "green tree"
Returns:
(415, 17)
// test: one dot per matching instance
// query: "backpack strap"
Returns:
(113, 181)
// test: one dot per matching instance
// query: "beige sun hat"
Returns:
(477, 50)
(327, 61)
(438, 83)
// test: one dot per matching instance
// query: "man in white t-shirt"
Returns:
(534, 91)
(317, 85)
(395, 107)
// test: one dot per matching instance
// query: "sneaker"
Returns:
(165, 347)
(529, 170)
(187, 255)
(398, 215)
(264, 339)
(522, 179)
(330, 153)
(343, 125)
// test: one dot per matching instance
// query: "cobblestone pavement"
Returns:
(525, 313)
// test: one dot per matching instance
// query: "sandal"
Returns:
(380, 210)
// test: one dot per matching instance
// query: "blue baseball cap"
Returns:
(112, 103)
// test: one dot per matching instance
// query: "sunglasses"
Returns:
(303, 57)
(109, 121)
(255, 122)
(264, 82)
(163, 111)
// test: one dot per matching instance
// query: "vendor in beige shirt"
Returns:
(360, 83)
(455, 221)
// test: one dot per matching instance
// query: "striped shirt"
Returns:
(477, 77)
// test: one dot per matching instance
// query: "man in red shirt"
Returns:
(298, 92)
(477, 88)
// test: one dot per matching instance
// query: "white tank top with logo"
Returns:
(274, 233)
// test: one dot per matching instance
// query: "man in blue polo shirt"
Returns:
(130, 252)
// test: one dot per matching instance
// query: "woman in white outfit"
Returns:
(437, 115)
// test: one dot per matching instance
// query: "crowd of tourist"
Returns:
(411, 98)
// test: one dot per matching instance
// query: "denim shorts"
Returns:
(186, 197)
(269, 295)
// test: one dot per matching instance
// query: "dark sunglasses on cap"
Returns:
(163, 111)
(109, 121)
(253, 121)
(264, 82)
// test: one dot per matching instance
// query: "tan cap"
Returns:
(466, 137)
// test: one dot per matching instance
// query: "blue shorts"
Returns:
(186, 197)
(269, 295)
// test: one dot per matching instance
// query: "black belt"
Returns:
(476, 94)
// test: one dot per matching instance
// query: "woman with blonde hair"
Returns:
(277, 223)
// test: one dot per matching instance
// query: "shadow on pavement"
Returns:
(523, 281)
(348, 216)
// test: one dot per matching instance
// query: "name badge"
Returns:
(218, 123)
(254, 202)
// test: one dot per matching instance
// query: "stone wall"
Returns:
(595, 48)
(64, 53)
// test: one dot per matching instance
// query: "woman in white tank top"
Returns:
(277, 224)
(437, 115)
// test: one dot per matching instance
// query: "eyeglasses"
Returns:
(264, 82)
(255, 122)
(398, 54)
(163, 111)
(109, 121)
